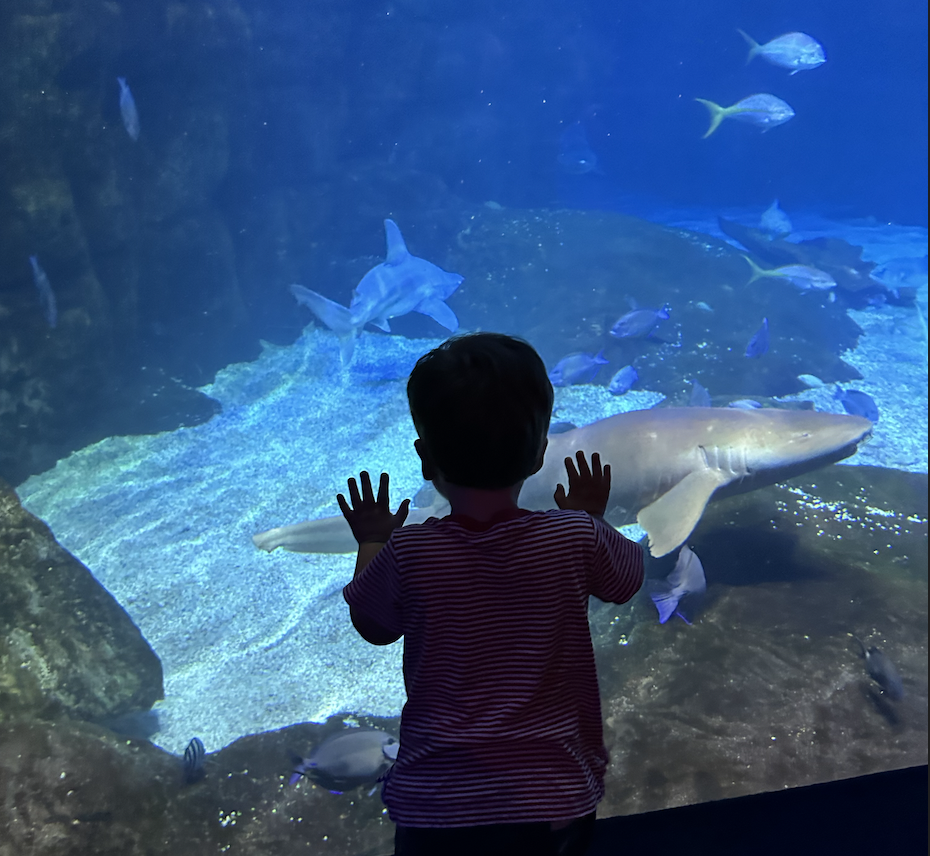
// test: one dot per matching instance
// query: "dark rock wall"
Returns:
(66, 646)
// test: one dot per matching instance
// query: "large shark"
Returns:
(402, 283)
(666, 465)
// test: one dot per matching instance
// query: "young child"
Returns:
(501, 741)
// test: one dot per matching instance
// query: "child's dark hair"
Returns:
(481, 404)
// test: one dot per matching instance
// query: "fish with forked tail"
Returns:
(762, 110)
(794, 51)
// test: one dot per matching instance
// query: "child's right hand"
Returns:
(588, 488)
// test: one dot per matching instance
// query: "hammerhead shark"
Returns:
(402, 283)
(666, 465)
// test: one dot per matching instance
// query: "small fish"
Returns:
(350, 758)
(46, 295)
(575, 155)
(700, 397)
(623, 381)
(811, 381)
(857, 403)
(759, 343)
(639, 323)
(579, 367)
(193, 761)
(794, 51)
(802, 277)
(127, 107)
(704, 307)
(775, 222)
(686, 578)
(745, 404)
(762, 110)
(882, 671)
(910, 271)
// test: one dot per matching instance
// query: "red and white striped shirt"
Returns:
(503, 718)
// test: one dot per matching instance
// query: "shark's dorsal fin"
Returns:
(397, 251)
(669, 520)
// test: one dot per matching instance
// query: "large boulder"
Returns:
(66, 646)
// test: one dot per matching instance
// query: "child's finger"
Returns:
(367, 493)
(570, 469)
(353, 492)
(384, 487)
(343, 505)
(583, 464)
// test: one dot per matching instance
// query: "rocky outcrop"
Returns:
(66, 646)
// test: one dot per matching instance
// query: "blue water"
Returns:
(274, 138)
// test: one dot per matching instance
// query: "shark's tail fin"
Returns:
(338, 318)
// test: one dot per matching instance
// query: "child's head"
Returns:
(481, 405)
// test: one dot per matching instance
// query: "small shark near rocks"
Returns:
(402, 283)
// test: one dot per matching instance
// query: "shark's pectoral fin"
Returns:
(439, 312)
(670, 519)
(381, 324)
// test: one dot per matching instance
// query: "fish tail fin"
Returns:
(666, 602)
(757, 272)
(335, 316)
(753, 45)
(717, 115)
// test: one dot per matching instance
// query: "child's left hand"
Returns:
(370, 519)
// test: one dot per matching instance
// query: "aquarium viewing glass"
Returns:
(228, 231)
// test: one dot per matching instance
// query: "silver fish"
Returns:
(686, 578)
(127, 107)
(46, 295)
(623, 381)
(803, 277)
(762, 110)
(355, 757)
(794, 51)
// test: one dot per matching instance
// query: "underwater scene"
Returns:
(228, 231)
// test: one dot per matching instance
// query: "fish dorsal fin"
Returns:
(397, 252)
(671, 518)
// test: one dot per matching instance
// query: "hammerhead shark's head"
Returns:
(402, 283)
(666, 465)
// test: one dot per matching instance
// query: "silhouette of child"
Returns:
(501, 741)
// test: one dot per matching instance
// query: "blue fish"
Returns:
(639, 323)
(127, 107)
(759, 343)
(46, 295)
(857, 403)
(762, 110)
(623, 381)
(774, 222)
(882, 671)
(745, 404)
(402, 283)
(700, 397)
(580, 367)
(686, 578)
(794, 51)
(348, 759)
(575, 155)
(193, 761)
